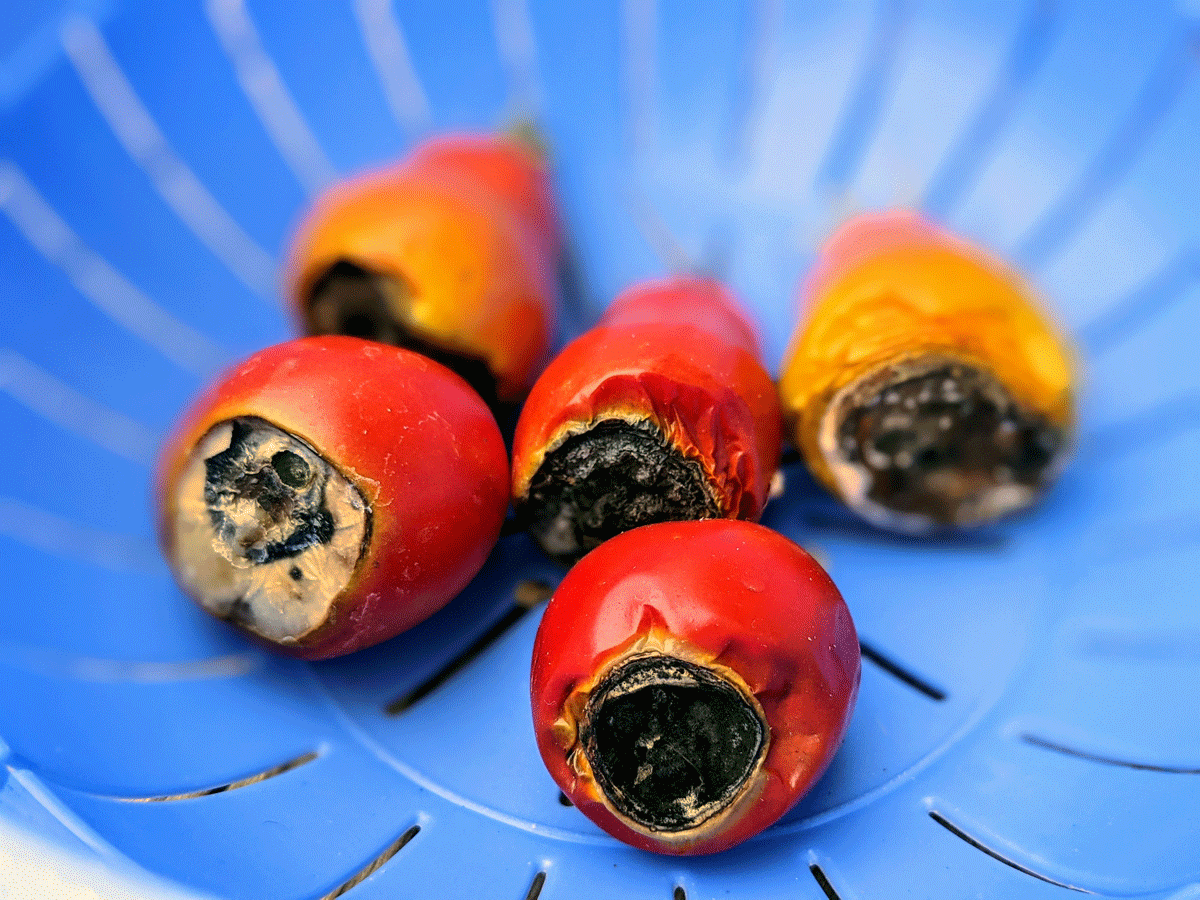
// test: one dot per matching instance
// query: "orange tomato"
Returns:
(452, 252)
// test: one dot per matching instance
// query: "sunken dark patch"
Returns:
(288, 498)
(615, 476)
(945, 444)
(291, 469)
(670, 743)
(351, 300)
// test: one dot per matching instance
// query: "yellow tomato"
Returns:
(925, 386)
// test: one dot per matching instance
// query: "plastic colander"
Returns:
(1029, 718)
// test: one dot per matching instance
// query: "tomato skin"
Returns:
(510, 170)
(417, 442)
(735, 594)
(890, 291)
(893, 283)
(701, 303)
(679, 354)
(453, 224)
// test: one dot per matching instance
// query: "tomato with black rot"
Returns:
(691, 681)
(926, 386)
(329, 492)
(661, 412)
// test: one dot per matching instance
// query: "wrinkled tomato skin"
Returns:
(676, 353)
(452, 223)
(891, 287)
(736, 592)
(421, 447)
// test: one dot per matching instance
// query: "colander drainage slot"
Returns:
(864, 106)
(564, 800)
(535, 888)
(526, 596)
(823, 881)
(679, 893)
(1044, 744)
(374, 864)
(998, 856)
(1126, 142)
(900, 673)
(232, 785)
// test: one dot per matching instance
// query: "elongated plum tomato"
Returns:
(330, 492)
(691, 681)
(452, 252)
(925, 387)
(662, 412)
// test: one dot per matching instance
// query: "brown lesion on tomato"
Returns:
(666, 736)
(267, 533)
(937, 441)
(671, 743)
(352, 300)
(610, 477)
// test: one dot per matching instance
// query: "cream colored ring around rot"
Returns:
(288, 529)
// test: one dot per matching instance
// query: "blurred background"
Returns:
(1027, 720)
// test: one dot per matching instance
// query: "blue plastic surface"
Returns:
(1027, 725)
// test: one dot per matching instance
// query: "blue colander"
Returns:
(1029, 718)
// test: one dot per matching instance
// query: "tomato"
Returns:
(452, 252)
(691, 681)
(330, 492)
(663, 411)
(508, 168)
(926, 387)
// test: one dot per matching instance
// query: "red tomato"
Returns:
(701, 303)
(329, 493)
(691, 681)
(661, 412)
